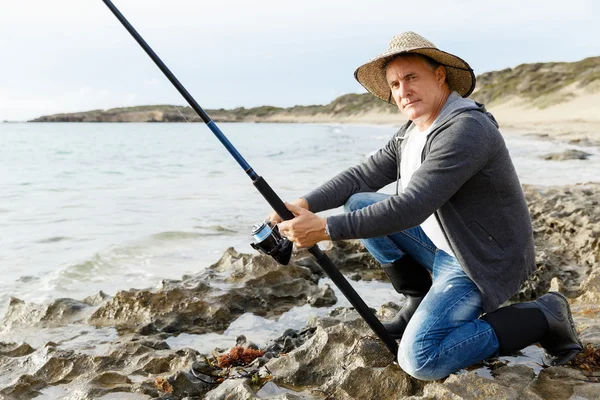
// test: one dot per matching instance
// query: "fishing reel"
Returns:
(269, 241)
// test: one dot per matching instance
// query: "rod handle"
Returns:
(272, 198)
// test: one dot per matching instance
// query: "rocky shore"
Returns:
(332, 357)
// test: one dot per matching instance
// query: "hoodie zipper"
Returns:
(437, 218)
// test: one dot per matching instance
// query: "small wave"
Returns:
(279, 153)
(53, 239)
(216, 230)
(173, 235)
(28, 278)
(83, 270)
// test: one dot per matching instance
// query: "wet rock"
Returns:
(369, 352)
(109, 379)
(305, 259)
(370, 384)
(319, 358)
(257, 284)
(63, 367)
(344, 360)
(590, 289)
(26, 387)
(388, 311)
(63, 311)
(58, 313)
(43, 367)
(256, 269)
(587, 321)
(518, 376)
(186, 384)
(242, 341)
(107, 382)
(324, 298)
(339, 314)
(97, 299)
(352, 258)
(567, 155)
(290, 340)
(232, 389)
(171, 310)
(15, 349)
(564, 383)
(566, 224)
(158, 365)
(468, 386)
(155, 344)
(20, 313)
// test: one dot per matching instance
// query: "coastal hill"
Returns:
(548, 94)
(349, 105)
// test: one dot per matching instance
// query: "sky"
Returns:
(74, 55)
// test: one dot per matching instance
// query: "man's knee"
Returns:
(354, 202)
(418, 363)
(363, 199)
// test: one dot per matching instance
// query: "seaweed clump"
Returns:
(239, 356)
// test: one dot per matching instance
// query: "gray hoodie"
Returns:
(466, 179)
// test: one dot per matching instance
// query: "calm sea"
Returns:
(89, 207)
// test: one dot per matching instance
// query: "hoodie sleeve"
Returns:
(455, 156)
(378, 171)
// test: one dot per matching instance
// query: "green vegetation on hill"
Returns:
(344, 106)
(541, 84)
(538, 81)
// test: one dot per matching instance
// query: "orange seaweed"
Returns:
(588, 360)
(163, 384)
(238, 356)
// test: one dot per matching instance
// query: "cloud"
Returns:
(234, 52)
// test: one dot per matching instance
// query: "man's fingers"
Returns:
(283, 226)
(296, 210)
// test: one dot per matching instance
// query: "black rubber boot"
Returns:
(413, 281)
(547, 321)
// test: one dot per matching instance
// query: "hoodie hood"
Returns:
(455, 105)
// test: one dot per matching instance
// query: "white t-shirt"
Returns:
(410, 162)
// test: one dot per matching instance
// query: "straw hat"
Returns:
(459, 74)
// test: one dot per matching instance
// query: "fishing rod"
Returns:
(266, 232)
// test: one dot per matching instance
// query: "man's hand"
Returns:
(306, 229)
(276, 219)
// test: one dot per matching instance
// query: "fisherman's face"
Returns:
(416, 88)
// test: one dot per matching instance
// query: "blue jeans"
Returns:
(445, 334)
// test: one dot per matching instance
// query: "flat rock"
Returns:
(253, 283)
(567, 155)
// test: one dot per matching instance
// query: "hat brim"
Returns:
(459, 74)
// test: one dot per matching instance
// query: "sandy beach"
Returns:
(576, 120)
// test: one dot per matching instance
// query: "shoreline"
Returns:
(578, 132)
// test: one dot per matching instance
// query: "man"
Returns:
(461, 218)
